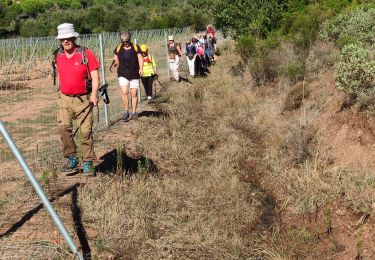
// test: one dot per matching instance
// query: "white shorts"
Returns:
(133, 83)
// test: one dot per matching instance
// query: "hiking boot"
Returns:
(134, 116)
(88, 168)
(126, 116)
(72, 164)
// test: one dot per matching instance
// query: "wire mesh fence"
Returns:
(28, 96)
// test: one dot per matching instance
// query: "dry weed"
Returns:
(217, 131)
(198, 208)
(295, 96)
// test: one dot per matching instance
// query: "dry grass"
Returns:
(195, 207)
(199, 205)
(295, 96)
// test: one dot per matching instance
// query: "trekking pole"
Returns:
(83, 120)
(102, 93)
(47, 204)
(161, 84)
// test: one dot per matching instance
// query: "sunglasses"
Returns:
(67, 39)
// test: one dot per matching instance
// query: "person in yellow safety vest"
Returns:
(149, 71)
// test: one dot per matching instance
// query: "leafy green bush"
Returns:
(294, 72)
(245, 46)
(303, 27)
(356, 68)
(357, 24)
(243, 17)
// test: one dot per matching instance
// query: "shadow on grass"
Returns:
(153, 114)
(130, 165)
(76, 216)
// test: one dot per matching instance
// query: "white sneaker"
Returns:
(149, 97)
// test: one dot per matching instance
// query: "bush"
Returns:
(245, 46)
(245, 17)
(295, 96)
(357, 24)
(294, 72)
(303, 27)
(263, 69)
(366, 101)
(356, 69)
(322, 55)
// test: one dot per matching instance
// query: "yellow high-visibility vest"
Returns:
(149, 67)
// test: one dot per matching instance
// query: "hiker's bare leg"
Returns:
(124, 95)
(133, 93)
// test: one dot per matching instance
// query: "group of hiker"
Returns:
(200, 54)
(78, 70)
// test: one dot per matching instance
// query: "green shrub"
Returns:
(263, 69)
(294, 72)
(303, 27)
(245, 46)
(322, 55)
(357, 24)
(345, 40)
(356, 68)
(243, 17)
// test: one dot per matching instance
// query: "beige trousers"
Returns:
(173, 68)
(69, 107)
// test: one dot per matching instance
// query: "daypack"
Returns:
(118, 48)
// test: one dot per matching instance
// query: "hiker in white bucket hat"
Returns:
(76, 67)
(174, 55)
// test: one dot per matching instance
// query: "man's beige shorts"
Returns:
(133, 83)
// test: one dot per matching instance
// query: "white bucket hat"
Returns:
(170, 38)
(65, 31)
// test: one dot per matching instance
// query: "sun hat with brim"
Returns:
(65, 31)
(170, 38)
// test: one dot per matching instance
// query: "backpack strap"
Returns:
(84, 60)
(118, 48)
(135, 46)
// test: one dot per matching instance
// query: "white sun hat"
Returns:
(170, 38)
(65, 31)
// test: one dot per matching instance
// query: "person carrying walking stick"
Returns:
(77, 68)
(149, 71)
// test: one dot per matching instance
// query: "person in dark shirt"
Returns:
(129, 62)
(191, 55)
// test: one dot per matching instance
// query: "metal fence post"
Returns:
(103, 75)
(139, 90)
(166, 49)
(40, 192)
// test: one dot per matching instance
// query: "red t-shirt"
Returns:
(211, 30)
(73, 74)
